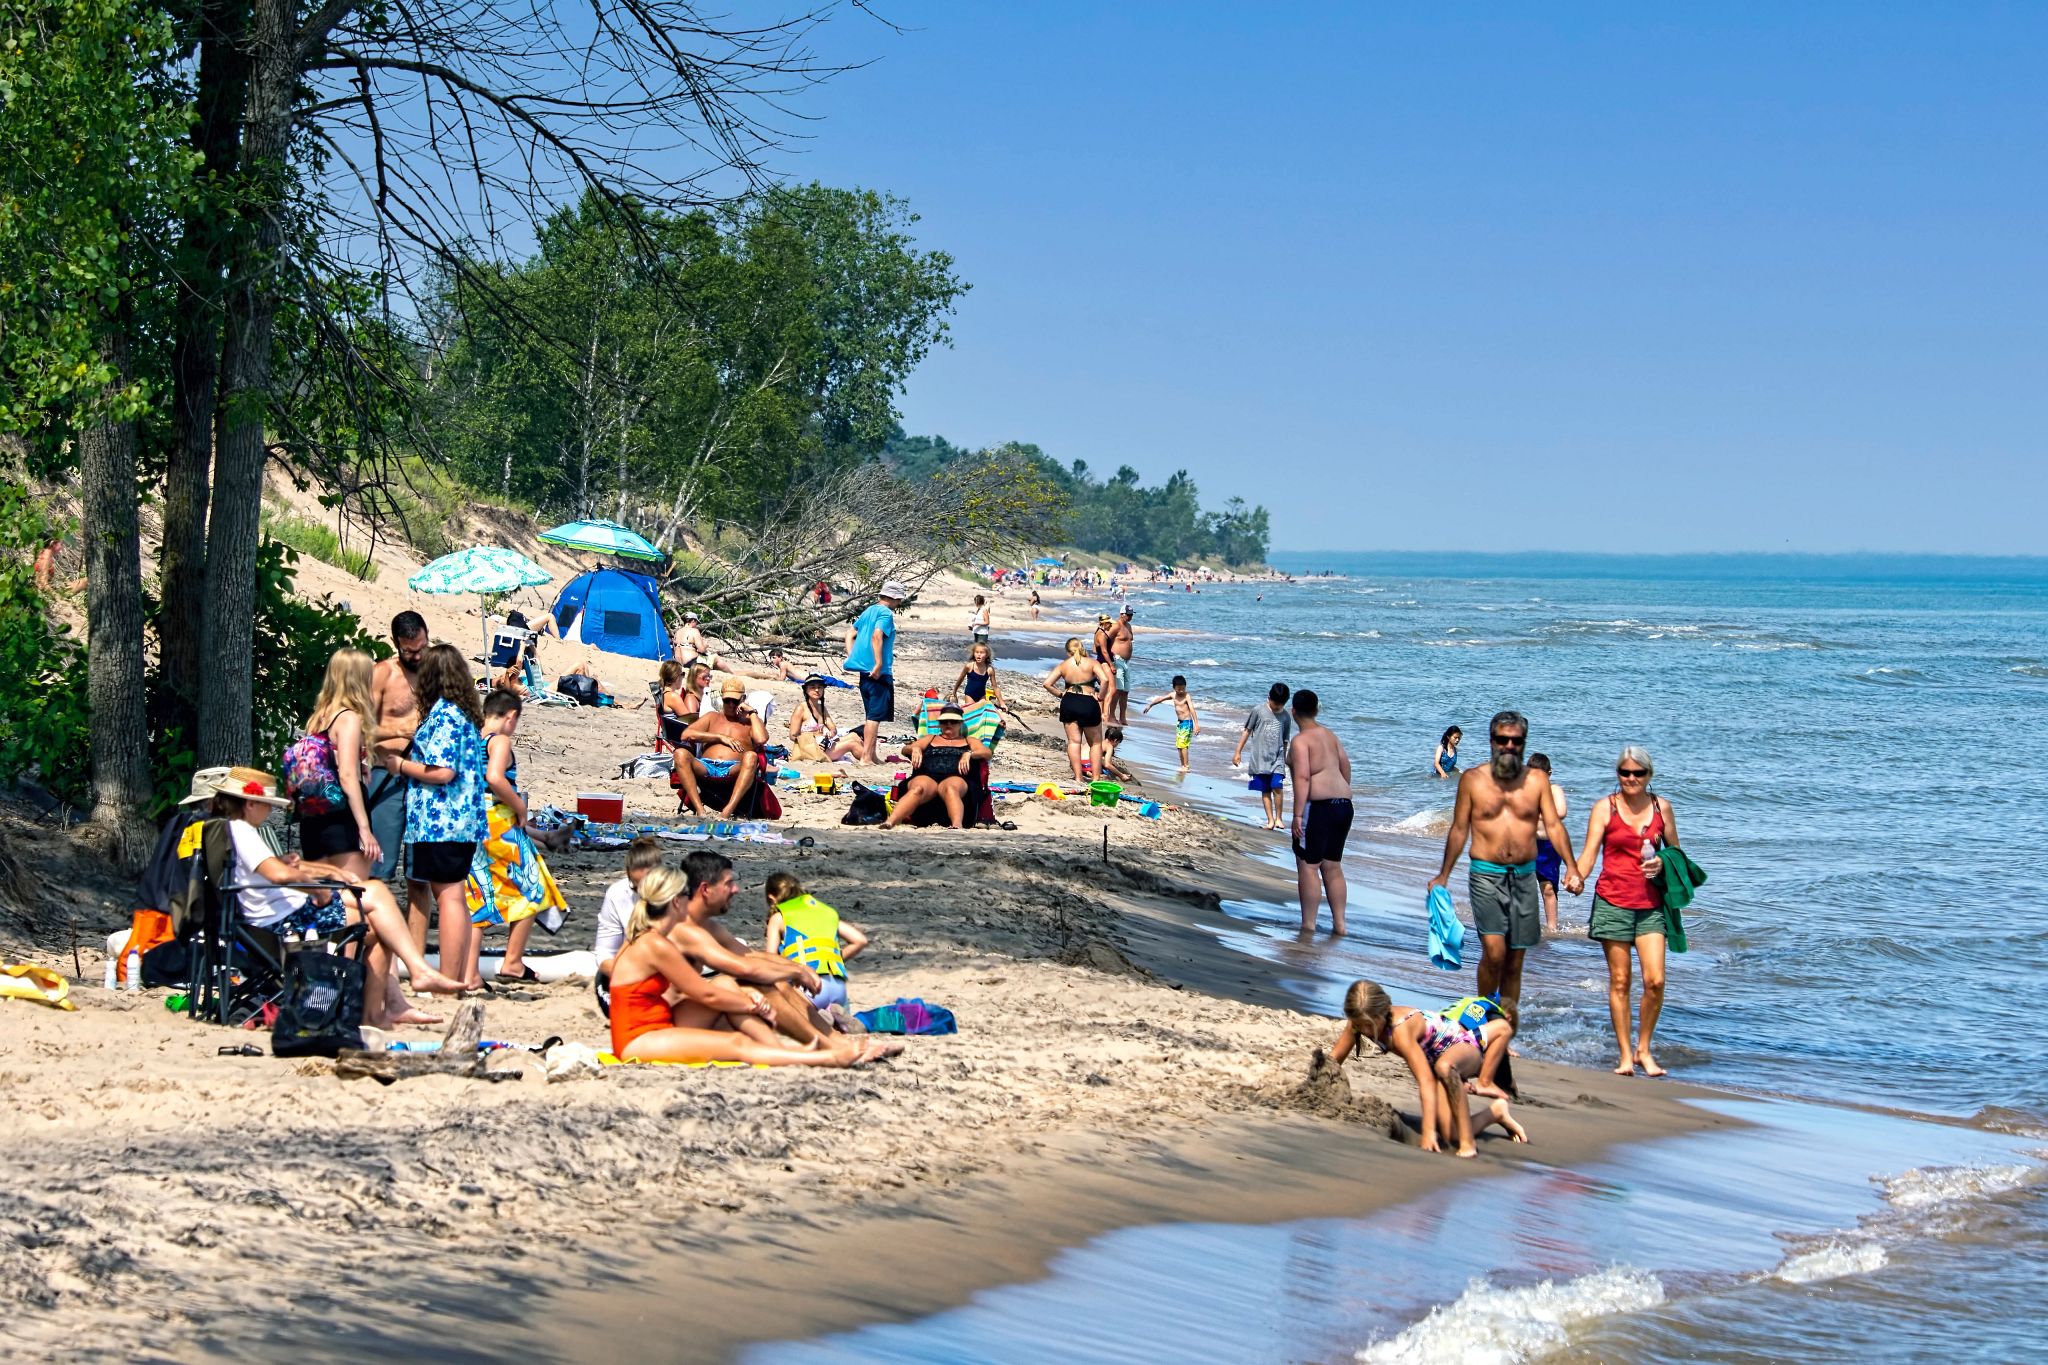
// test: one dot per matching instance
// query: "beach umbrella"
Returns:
(1046, 561)
(484, 569)
(604, 538)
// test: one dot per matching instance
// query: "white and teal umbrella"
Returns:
(484, 569)
(604, 538)
(480, 569)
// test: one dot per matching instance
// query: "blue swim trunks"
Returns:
(1266, 782)
(720, 767)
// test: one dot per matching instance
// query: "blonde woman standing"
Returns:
(344, 718)
(1624, 832)
(1082, 685)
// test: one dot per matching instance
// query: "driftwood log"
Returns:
(459, 1054)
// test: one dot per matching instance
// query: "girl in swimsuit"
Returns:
(1443, 1054)
(709, 1022)
(1446, 762)
(675, 718)
(978, 675)
(1082, 685)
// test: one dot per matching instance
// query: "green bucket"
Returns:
(1104, 793)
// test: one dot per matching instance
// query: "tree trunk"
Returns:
(113, 612)
(195, 348)
(225, 703)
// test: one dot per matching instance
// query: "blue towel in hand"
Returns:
(1446, 935)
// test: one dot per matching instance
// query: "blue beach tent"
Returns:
(614, 610)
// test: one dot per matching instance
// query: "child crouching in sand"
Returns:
(804, 929)
(1443, 1053)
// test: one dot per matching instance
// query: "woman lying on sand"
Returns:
(1442, 1053)
(711, 1022)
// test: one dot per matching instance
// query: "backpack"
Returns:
(869, 807)
(311, 777)
(321, 1011)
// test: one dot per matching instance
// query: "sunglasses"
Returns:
(1631, 772)
(1510, 741)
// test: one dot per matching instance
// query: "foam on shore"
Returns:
(1488, 1325)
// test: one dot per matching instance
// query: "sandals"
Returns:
(523, 977)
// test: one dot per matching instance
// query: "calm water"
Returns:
(1854, 751)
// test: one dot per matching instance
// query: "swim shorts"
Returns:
(878, 697)
(330, 918)
(384, 795)
(442, 862)
(1324, 831)
(1265, 782)
(1122, 668)
(1507, 905)
(1618, 924)
(1548, 865)
(1183, 734)
(720, 768)
(1078, 708)
(831, 991)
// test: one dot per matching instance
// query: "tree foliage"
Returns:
(1117, 515)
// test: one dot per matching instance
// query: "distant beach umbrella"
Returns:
(604, 538)
(1046, 561)
(479, 569)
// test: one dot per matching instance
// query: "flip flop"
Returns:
(524, 975)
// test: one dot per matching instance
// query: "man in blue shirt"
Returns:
(871, 652)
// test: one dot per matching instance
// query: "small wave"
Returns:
(1374, 635)
(2029, 670)
(1997, 1118)
(1832, 1261)
(1203, 663)
(1884, 674)
(1491, 1326)
(1933, 1186)
(1426, 822)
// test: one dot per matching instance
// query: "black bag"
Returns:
(583, 689)
(321, 1011)
(868, 808)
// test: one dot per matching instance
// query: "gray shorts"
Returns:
(1508, 906)
(1122, 669)
(384, 794)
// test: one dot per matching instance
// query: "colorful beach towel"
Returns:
(508, 880)
(1446, 935)
(909, 1016)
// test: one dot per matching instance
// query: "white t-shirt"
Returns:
(612, 917)
(262, 904)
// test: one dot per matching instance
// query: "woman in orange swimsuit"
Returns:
(650, 965)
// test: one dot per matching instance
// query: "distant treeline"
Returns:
(1117, 515)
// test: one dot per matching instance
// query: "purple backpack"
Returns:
(311, 778)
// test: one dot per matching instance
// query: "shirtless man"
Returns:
(1120, 641)
(1321, 773)
(398, 715)
(1502, 806)
(713, 948)
(733, 737)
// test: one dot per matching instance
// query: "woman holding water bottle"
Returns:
(1624, 832)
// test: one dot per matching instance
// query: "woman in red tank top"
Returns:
(1624, 832)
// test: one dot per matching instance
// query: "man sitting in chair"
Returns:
(939, 766)
(729, 749)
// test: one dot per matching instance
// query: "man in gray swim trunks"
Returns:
(1501, 805)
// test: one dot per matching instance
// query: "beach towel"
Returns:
(909, 1016)
(509, 881)
(1446, 935)
(21, 981)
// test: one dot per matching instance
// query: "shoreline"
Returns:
(1119, 1063)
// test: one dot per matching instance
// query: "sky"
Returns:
(1569, 277)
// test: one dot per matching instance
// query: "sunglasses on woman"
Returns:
(1631, 772)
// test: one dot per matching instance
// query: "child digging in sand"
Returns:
(1443, 1053)
(804, 929)
(1186, 724)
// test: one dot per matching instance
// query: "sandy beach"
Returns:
(1115, 1065)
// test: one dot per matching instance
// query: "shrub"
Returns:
(320, 541)
(45, 718)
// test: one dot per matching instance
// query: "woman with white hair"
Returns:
(1624, 832)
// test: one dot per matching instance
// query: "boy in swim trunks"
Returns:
(1187, 724)
(1549, 867)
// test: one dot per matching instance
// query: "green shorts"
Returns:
(1614, 924)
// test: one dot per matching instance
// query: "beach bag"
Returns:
(869, 807)
(648, 765)
(311, 778)
(583, 689)
(808, 749)
(321, 1011)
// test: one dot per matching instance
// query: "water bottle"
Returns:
(1649, 854)
(109, 983)
(134, 970)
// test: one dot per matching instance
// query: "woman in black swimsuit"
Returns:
(939, 768)
(673, 721)
(1081, 683)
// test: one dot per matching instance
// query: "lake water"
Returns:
(1852, 748)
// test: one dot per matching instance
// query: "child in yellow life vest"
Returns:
(805, 929)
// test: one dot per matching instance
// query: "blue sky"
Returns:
(1575, 277)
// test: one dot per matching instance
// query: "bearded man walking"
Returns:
(1501, 806)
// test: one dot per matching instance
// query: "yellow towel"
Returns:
(39, 984)
(608, 1059)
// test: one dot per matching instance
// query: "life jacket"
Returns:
(1474, 1012)
(810, 935)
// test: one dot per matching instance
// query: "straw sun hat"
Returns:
(246, 784)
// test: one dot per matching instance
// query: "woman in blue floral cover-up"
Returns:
(446, 804)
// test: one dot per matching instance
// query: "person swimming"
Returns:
(1446, 762)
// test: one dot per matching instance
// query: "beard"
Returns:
(1507, 765)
